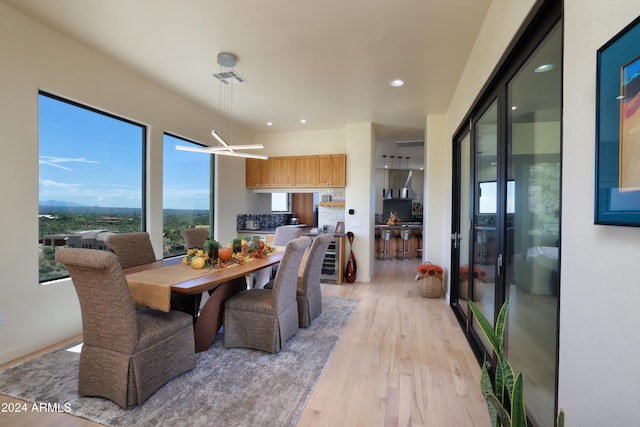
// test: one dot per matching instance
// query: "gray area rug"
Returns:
(228, 387)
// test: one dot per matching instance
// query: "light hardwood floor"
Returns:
(402, 361)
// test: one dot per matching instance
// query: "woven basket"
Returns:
(430, 286)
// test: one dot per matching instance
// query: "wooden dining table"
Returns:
(186, 295)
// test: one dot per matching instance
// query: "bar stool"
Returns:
(386, 235)
(419, 243)
(406, 234)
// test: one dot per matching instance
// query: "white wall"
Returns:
(34, 57)
(437, 197)
(302, 143)
(359, 195)
(600, 285)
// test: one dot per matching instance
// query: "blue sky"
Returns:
(96, 160)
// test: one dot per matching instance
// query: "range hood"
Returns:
(406, 192)
(399, 185)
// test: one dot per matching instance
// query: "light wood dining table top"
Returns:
(208, 278)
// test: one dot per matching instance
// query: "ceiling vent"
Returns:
(229, 77)
(409, 144)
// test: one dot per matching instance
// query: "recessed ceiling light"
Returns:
(544, 68)
(514, 108)
(396, 83)
(269, 123)
(303, 121)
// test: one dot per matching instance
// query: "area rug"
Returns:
(229, 387)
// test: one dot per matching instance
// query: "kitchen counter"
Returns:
(305, 231)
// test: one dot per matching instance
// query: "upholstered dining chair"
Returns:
(195, 237)
(264, 319)
(283, 235)
(131, 248)
(309, 293)
(127, 353)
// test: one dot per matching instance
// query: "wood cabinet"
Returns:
(258, 173)
(332, 170)
(306, 171)
(300, 171)
(282, 174)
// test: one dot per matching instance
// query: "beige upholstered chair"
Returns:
(127, 354)
(194, 237)
(263, 318)
(131, 248)
(309, 294)
(284, 234)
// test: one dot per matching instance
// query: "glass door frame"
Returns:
(544, 16)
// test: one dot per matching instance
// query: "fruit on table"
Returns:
(225, 253)
(198, 262)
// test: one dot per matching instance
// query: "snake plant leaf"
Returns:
(487, 390)
(508, 376)
(518, 412)
(503, 415)
(501, 323)
(486, 327)
(560, 418)
(499, 383)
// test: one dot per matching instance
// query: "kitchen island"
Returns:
(394, 245)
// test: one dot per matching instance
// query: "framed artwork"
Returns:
(340, 227)
(617, 186)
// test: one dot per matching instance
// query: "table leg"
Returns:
(211, 315)
(186, 303)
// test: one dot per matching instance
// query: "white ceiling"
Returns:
(329, 61)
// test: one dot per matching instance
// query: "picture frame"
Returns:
(339, 227)
(617, 173)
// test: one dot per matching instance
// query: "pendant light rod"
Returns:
(224, 151)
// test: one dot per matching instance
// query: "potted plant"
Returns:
(505, 409)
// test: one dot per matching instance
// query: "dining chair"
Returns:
(264, 319)
(309, 293)
(127, 354)
(131, 248)
(283, 235)
(134, 249)
(194, 237)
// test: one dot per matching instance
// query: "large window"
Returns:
(90, 178)
(186, 192)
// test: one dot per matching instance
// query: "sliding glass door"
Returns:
(533, 223)
(506, 211)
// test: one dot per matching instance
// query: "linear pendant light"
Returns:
(228, 61)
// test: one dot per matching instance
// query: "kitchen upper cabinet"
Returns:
(282, 175)
(306, 171)
(332, 170)
(258, 173)
(299, 171)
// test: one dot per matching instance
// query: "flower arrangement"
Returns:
(393, 219)
(429, 269)
(478, 273)
(430, 280)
